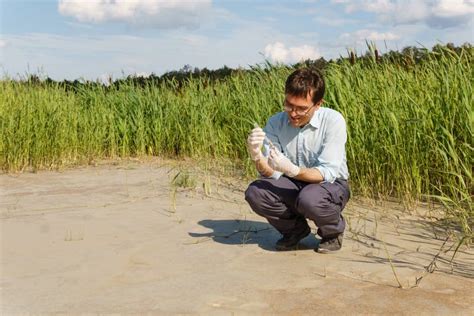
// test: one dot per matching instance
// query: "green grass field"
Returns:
(410, 126)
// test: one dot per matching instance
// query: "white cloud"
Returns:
(300, 53)
(435, 13)
(358, 38)
(2, 43)
(362, 35)
(278, 52)
(157, 13)
(376, 6)
(334, 21)
(453, 8)
(409, 12)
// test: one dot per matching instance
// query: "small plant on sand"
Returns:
(184, 179)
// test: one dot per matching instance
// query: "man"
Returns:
(303, 166)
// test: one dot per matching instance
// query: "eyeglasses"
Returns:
(299, 110)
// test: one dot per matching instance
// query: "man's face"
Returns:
(300, 110)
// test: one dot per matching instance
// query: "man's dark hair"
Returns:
(303, 81)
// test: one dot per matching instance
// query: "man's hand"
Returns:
(277, 161)
(255, 143)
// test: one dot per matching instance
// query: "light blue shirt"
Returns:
(320, 144)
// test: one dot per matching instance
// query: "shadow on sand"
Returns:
(414, 246)
(240, 232)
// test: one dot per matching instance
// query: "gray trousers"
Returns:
(286, 204)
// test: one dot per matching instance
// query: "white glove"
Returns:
(255, 143)
(278, 162)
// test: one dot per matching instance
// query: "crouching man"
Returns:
(303, 166)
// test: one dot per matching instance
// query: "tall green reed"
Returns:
(410, 130)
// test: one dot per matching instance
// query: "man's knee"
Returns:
(255, 196)
(315, 204)
(311, 199)
(252, 193)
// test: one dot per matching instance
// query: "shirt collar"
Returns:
(315, 119)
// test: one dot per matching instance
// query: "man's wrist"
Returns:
(293, 172)
(257, 157)
(263, 168)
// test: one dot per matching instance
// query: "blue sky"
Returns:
(95, 39)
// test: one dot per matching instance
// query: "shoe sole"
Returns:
(325, 251)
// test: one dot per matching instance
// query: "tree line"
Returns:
(405, 58)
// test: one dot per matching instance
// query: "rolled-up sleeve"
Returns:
(332, 152)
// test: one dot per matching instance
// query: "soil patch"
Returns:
(127, 239)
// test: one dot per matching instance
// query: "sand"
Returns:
(120, 238)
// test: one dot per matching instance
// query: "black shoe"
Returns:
(290, 241)
(328, 245)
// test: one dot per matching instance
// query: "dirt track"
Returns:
(116, 239)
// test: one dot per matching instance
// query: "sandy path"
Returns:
(109, 239)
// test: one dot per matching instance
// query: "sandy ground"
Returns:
(121, 239)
